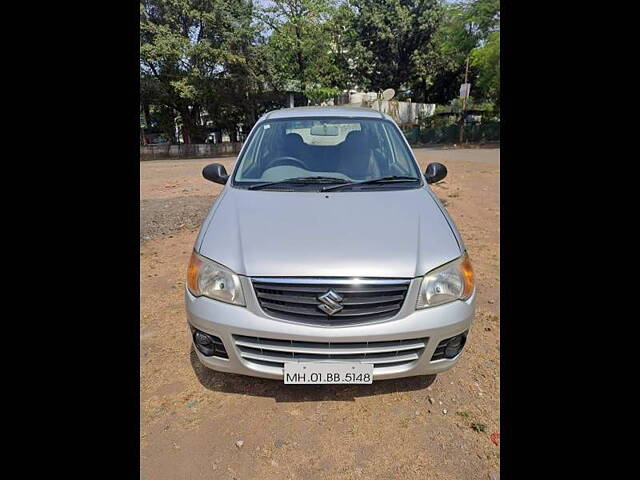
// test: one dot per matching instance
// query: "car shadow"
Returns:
(276, 389)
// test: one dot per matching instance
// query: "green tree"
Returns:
(487, 59)
(186, 48)
(484, 15)
(442, 68)
(465, 26)
(393, 41)
(300, 49)
(233, 60)
(342, 38)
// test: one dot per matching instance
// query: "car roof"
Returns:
(346, 112)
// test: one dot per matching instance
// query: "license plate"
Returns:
(323, 373)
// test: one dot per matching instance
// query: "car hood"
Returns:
(399, 234)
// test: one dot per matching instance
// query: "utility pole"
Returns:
(464, 102)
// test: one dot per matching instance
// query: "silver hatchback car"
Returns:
(327, 258)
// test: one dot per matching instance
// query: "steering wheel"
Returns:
(287, 160)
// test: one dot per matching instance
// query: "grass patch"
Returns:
(479, 427)
(455, 194)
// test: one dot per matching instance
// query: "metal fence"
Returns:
(189, 150)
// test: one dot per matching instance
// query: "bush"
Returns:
(443, 126)
(488, 131)
(483, 132)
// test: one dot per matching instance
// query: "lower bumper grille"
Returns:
(331, 301)
(275, 353)
(440, 351)
(438, 354)
(211, 348)
(218, 348)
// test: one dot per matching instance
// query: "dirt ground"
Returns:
(437, 427)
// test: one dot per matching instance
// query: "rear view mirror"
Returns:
(215, 173)
(435, 172)
(325, 130)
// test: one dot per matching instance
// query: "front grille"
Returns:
(273, 353)
(362, 300)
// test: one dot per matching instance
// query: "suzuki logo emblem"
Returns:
(330, 302)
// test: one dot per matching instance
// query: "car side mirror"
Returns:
(435, 172)
(215, 173)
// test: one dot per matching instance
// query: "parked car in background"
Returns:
(159, 140)
(327, 258)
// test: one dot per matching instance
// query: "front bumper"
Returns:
(225, 321)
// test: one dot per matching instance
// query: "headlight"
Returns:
(453, 281)
(210, 279)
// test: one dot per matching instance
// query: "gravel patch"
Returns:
(164, 216)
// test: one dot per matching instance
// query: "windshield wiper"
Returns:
(318, 179)
(388, 179)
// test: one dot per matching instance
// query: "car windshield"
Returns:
(300, 153)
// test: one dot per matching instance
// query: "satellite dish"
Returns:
(388, 94)
(355, 98)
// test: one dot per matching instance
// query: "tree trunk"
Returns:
(187, 125)
(251, 113)
(300, 57)
(147, 114)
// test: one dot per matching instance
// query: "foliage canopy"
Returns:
(226, 61)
